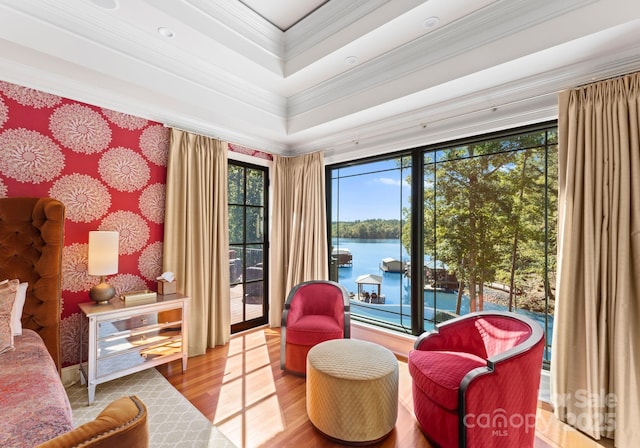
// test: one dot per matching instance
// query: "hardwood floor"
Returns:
(241, 389)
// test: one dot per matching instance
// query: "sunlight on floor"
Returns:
(248, 394)
(557, 434)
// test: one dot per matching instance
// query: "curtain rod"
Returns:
(216, 137)
(203, 135)
(190, 131)
(610, 78)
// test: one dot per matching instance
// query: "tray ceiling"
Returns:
(350, 77)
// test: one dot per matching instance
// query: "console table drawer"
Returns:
(145, 336)
(108, 328)
(136, 357)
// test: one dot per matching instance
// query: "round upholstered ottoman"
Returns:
(352, 390)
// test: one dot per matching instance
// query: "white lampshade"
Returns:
(103, 252)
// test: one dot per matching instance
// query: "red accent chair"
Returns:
(315, 311)
(475, 380)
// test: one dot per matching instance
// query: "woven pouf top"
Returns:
(352, 359)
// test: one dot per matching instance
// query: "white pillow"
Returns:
(8, 291)
(16, 311)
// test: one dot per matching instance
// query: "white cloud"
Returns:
(389, 181)
(392, 182)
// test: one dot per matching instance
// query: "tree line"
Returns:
(368, 229)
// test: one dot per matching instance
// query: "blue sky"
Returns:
(378, 194)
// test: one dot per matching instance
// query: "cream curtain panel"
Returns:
(298, 250)
(196, 242)
(596, 342)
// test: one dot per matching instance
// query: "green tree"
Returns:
(236, 198)
(533, 243)
(468, 198)
(484, 213)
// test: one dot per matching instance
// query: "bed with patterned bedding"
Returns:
(33, 403)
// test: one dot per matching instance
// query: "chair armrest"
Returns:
(513, 380)
(455, 335)
(522, 359)
(122, 423)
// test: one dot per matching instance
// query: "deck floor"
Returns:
(252, 311)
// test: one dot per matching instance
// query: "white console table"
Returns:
(126, 338)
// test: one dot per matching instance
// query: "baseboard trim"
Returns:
(70, 375)
(400, 344)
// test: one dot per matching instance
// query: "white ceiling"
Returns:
(233, 74)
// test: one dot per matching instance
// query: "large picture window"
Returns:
(368, 256)
(446, 230)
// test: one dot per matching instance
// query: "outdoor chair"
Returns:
(314, 312)
(475, 380)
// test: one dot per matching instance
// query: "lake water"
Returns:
(396, 287)
(367, 257)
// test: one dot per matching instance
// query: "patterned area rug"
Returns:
(173, 420)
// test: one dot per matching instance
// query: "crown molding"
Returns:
(231, 16)
(325, 22)
(244, 21)
(517, 103)
(446, 43)
(100, 94)
(224, 122)
(236, 18)
(228, 135)
(142, 50)
(479, 122)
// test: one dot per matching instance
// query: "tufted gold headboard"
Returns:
(31, 241)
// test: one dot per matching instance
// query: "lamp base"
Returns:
(102, 292)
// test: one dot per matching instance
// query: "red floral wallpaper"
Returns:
(108, 168)
(249, 151)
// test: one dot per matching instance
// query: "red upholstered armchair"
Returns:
(476, 379)
(315, 311)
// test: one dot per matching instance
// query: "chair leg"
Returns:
(283, 348)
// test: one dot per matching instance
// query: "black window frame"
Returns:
(417, 223)
(264, 319)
